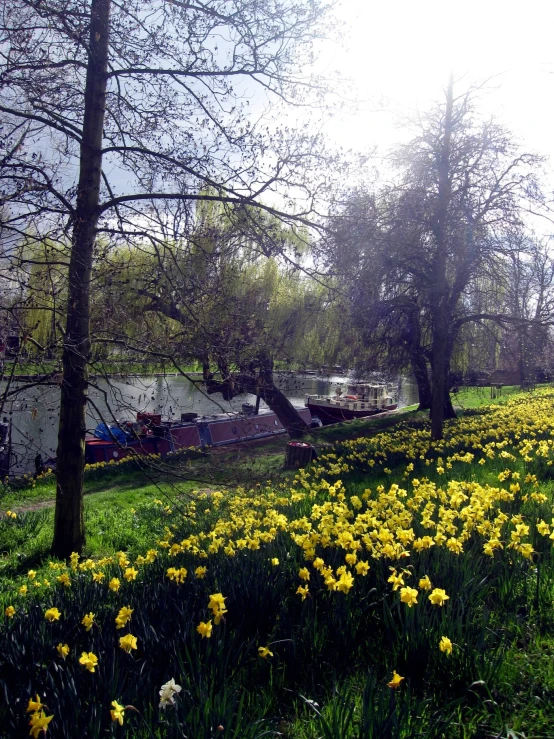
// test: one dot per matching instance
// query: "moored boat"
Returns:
(150, 435)
(360, 400)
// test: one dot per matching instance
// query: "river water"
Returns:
(34, 412)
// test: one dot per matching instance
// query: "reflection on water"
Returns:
(35, 411)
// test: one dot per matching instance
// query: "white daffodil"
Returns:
(167, 693)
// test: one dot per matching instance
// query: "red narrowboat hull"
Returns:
(205, 432)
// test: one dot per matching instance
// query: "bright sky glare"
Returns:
(400, 54)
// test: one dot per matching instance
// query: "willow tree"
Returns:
(230, 296)
(461, 188)
(115, 111)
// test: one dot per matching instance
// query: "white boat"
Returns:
(359, 401)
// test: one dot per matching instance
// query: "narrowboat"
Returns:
(150, 435)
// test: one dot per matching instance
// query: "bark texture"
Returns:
(439, 287)
(69, 530)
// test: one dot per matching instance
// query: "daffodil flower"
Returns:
(396, 680)
(128, 642)
(117, 712)
(63, 650)
(438, 597)
(204, 629)
(88, 620)
(408, 596)
(445, 645)
(168, 693)
(39, 723)
(35, 705)
(89, 660)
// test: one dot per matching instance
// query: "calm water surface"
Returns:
(34, 413)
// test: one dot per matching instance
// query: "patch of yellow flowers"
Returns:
(321, 517)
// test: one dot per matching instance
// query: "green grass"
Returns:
(502, 681)
(476, 397)
(364, 426)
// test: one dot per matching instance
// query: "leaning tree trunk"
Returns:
(264, 387)
(69, 530)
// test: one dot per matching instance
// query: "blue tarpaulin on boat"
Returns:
(109, 433)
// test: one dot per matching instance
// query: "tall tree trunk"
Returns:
(521, 357)
(418, 361)
(419, 369)
(448, 408)
(440, 358)
(69, 530)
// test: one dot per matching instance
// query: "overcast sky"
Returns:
(400, 54)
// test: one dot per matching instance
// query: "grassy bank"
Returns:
(290, 606)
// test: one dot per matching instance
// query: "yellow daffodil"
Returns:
(425, 583)
(35, 705)
(130, 574)
(217, 605)
(438, 597)
(345, 582)
(39, 723)
(265, 652)
(304, 573)
(362, 568)
(303, 592)
(123, 617)
(128, 642)
(89, 660)
(204, 629)
(63, 650)
(275, 561)
(445, 645)
(396, 680)
(408, 596)
(9, 612)
(396, 580)
(64, 579)
(117, 712)
(88, 620)
(52, 614)
(200, 572)
(177, 574)
(114, 584)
